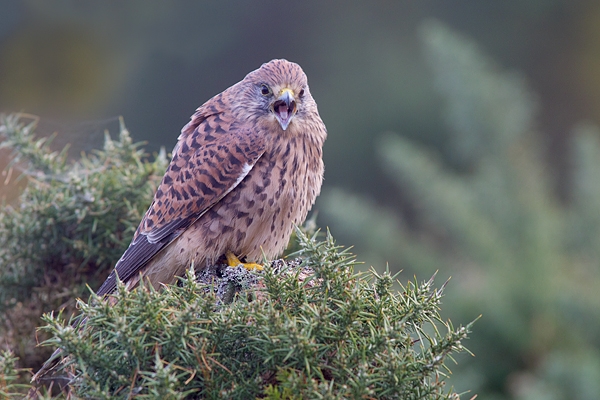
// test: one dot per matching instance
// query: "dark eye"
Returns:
(265, 90)
(301, 94)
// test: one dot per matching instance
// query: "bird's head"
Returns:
(279, 95)
(283, 105)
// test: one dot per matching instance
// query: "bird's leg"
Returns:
(233, 261)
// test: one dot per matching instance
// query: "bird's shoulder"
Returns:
(214, 153)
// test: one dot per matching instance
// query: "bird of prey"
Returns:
(245, 170)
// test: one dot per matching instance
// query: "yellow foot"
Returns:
(233, 261)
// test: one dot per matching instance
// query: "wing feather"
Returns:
(209, 161)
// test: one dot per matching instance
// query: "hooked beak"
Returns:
(285, 107)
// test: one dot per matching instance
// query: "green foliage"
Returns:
(486, 212)
(72, 222)
(317, 330)
(307, 328)
(9, 376)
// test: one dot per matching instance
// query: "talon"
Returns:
(233, 261)
(253, 266)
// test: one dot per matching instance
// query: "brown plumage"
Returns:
(245, 169)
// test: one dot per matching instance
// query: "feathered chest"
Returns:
(292, 170)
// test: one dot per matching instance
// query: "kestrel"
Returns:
(245, 170)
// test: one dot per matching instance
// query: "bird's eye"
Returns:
(301, 94)
(265, 90)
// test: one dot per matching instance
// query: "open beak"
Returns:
(285, 107)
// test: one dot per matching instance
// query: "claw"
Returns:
(233, 261)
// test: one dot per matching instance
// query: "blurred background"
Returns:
(462, 139)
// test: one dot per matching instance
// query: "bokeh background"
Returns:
(462, 139)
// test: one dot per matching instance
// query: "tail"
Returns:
(47, 377)
(53, 364)
(50, 366)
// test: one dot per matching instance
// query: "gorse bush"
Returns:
(10, 388)
(307, 328)
(330, 334)
(486, 211)
(71, 224)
